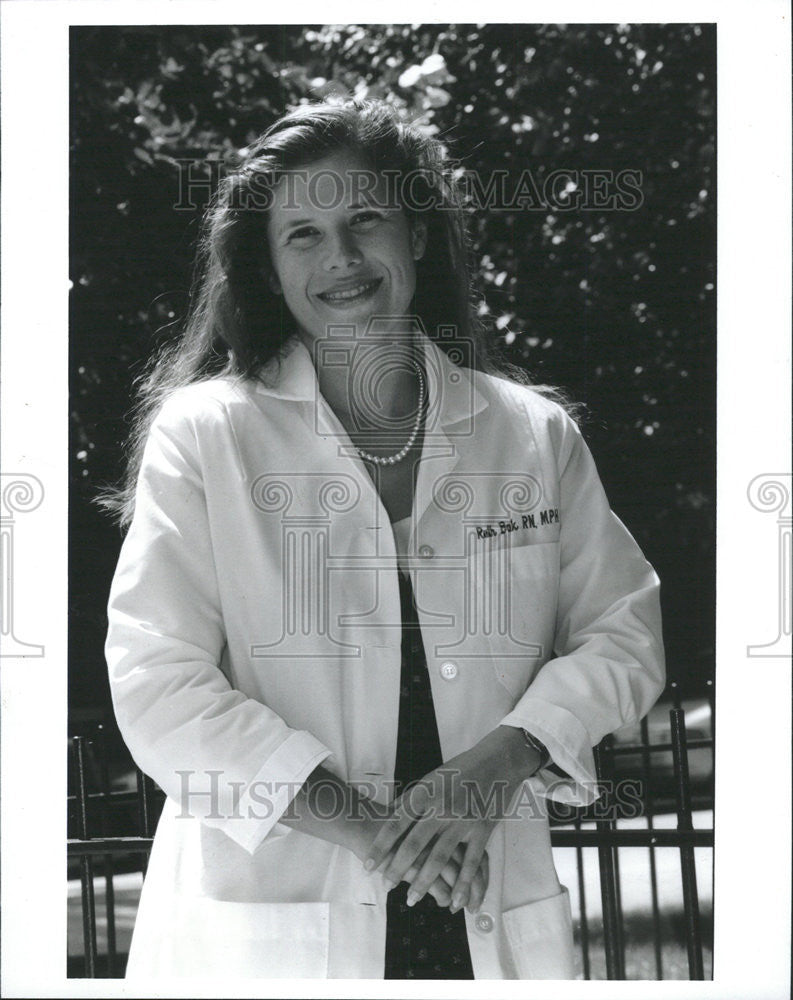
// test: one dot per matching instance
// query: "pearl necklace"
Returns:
(393, 459)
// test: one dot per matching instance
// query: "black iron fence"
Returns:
(650, 800)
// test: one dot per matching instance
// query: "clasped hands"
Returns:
(435, 834)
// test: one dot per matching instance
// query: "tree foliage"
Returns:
(614, 303)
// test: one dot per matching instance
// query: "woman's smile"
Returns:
(351, 294)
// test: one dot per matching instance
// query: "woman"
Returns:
(373, 607)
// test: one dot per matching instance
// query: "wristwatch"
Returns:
(540, 748)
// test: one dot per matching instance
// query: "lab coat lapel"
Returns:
(454, 403)
(296, 379)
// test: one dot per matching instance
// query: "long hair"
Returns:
(236, 323)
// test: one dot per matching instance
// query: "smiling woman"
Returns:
(373, 607)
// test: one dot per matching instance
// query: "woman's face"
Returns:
(341, 251)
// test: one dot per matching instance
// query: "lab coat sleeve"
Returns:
(225, 758)
(608, 664)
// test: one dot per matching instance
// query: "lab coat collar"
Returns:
(453, 397)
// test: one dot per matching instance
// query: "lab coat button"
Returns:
(426, 552)
(484, 923)
(449, 670)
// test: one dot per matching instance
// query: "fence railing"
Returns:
(111, 831)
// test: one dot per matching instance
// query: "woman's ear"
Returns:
(274, 283)
(418, 238)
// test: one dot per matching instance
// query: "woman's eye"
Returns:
(367, 218)
(303, 235)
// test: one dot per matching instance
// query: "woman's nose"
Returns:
(343, 251)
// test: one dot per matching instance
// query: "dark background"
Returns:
(616, 307)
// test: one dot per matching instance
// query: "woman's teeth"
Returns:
(350, 293)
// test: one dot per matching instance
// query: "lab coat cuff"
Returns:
(568, 744)
(267, 797)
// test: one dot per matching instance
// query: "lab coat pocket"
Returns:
(258, 940)
(540, 936)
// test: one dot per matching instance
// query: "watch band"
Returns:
(536, 745)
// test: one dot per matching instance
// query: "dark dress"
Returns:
(425, 941)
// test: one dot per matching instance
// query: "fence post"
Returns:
(608, 891)
(584, 921)
(648, 807)
(86, 864)
(110, 893)
(684, 822)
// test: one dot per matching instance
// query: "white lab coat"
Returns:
(255, 632)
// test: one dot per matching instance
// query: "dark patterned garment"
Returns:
(425, 941)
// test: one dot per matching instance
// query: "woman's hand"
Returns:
(454, 806)
(442, 886)
(441, 889)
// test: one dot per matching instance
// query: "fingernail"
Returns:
(412, 899)
(457, 901)
(368, 864)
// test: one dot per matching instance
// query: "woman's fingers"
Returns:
(452, 867)
(479, 885)
(441, 888)
(390, 832)
(409, 851)
(414, 869)
(461, 893)
(438, 858)
(441, 892)
(393, 829)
